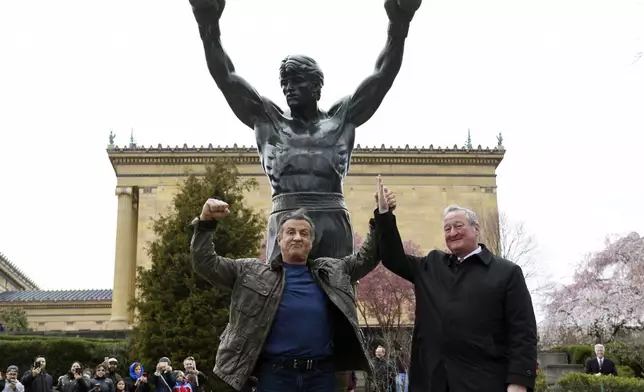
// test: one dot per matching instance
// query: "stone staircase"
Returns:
(555, 365)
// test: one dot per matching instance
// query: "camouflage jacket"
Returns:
(257, 289)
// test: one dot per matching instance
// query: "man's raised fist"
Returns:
(390, 196)
(382, 200)
(214, 210)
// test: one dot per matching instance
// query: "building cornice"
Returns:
(57, 305)
(244, 155)
(12, 272)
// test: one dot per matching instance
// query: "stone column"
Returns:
(144, 234)
(123, 259)
(134, 233)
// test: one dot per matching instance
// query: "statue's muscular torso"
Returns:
(305, 157)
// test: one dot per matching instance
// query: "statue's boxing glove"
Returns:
(410, 5)
(212, 7)
(398, 13)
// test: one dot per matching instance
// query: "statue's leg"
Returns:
(272, 248)
(333, 233)
(333, 229)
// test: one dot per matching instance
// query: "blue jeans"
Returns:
(402, 383)
(273, 377)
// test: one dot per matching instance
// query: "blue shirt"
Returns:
(302, 325)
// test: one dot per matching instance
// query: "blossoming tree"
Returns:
(605, 296)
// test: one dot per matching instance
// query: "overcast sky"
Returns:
(557, 77)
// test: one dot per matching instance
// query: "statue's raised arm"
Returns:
(243, 99)
(371, 92)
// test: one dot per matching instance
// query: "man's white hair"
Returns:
(471, 216)
(598, 347)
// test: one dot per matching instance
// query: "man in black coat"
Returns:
(601, 365)
(36, 379)
(475, 328)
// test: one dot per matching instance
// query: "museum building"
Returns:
(425, 179)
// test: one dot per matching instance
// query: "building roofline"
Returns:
(247, 155)
(358, 149)
(56, 296)
(5, 262)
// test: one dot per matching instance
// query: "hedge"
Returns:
(579, 382)
(577, 354)
(625, 371)
(541, 385)
(60, 353)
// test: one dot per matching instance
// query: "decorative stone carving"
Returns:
(124, 190)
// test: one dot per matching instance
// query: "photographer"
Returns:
(197, 379)
(164, 380)
(36, 379)
(138, 380)
(73, 381)
(100, 382)
(11, 384)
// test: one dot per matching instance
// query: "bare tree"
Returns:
(397, 344)
(386, 303)
(510, 240)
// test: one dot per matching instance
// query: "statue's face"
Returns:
(299, 91)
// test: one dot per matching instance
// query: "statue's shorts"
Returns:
(333, 230)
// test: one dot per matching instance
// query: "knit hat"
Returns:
(12, 368)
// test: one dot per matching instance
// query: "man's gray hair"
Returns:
(296, 215)
(599, 346)
(471, 216)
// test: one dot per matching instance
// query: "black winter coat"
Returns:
(475, 328)
(40, 383)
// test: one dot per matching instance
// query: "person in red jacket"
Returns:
(182, 384)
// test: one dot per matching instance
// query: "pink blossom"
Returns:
(605, 296)
(384, 296)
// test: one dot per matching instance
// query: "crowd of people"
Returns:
(389, 376)
(105, 378)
